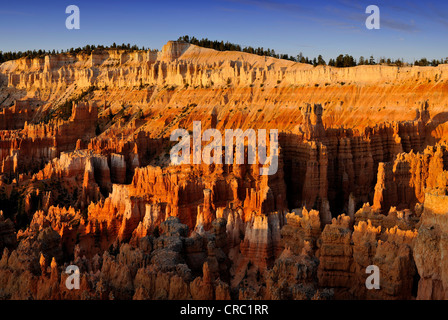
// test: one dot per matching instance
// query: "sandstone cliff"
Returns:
(86, 178)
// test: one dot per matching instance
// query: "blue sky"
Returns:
(409, 29)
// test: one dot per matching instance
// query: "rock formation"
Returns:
(86, 178)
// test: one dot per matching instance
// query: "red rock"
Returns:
(99, 192)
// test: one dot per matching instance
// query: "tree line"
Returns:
(342, 61)
(87, 49)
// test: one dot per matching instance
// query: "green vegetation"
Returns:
(342, 61)
(228, 46)
(13, 55)
(64, 111)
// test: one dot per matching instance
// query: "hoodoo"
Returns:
(87, 177)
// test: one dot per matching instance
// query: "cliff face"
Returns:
(27, 150)
(430, 247)
(86, 178)
(7, 233)
(183, 74)
(403, 182)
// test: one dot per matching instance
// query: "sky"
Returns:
(408, 29)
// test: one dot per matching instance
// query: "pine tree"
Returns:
(321, 61)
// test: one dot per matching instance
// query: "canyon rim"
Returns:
(207, 170)
(96, 189)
